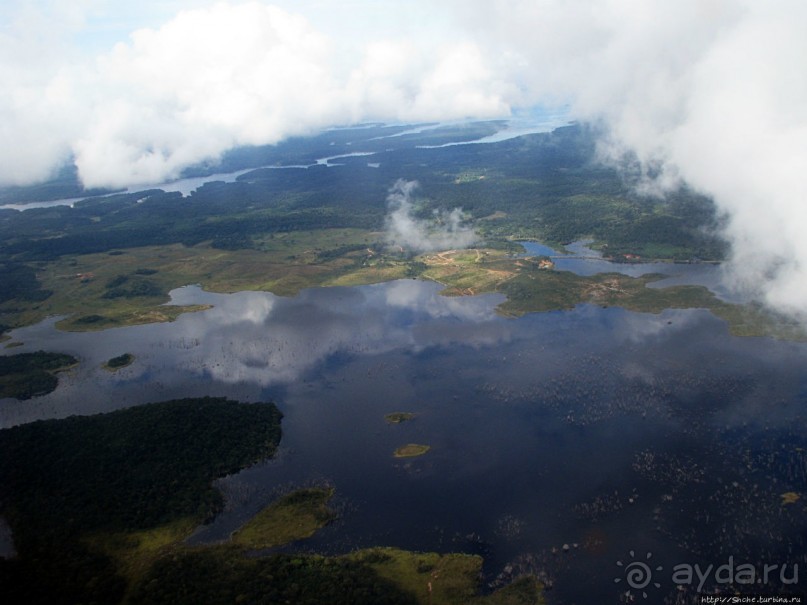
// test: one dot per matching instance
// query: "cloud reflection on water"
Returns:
(264, 339)
(249, 342)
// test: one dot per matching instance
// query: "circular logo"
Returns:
(637, 574)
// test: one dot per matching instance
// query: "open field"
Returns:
(135, 551)
(432, 578)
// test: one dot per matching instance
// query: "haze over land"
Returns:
(713, 94)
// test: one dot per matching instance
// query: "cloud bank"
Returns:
(213, 78)
(712, 93)
(445, 230)
(708, 92)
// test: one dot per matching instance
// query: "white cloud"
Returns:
(38, 96)
(444, 231)
(219, 76)
(204, 82)
(402, 80)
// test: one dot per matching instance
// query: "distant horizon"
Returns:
(711, 95)
(532, 124)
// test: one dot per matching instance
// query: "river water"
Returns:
(560, 442)
(540, 120)
(578, 258)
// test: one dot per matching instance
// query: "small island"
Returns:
(790, 498)
(411, 450)
(121, 361)
(398, 417)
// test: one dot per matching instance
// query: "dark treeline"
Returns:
(19, 282)
(64, 480)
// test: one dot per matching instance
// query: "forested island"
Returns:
(121, 361)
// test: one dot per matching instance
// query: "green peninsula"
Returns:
(28, 375)
(295, 516)
(93, 500)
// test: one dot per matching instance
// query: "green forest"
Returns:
(28, 375)
(141, 468)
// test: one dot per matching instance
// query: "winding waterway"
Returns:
(579, 259)
(519, 125)
(560, 442)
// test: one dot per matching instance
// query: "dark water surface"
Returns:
(561, 442)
